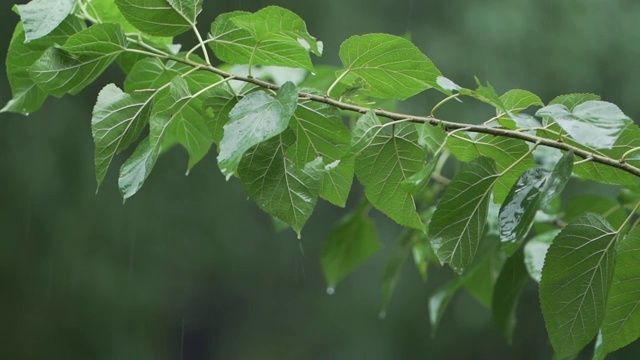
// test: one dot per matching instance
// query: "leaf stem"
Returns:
(336, 82)
(442, 102)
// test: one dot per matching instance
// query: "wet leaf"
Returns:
(41, 17)
(256, 118)
(509, 285)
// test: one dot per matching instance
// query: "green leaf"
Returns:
(440, 300)
(621, 324)
(505, 151)
(393, 267)
(458, 223)
(256, 118)
(349, 244)
(320, 132)
(27, 96)
(572, 100)
(421, 247)
(62, 70)
(390, 66)
(487, 94)
(216, 110)
(431, 136)
(509, 285)
(607, 207)
(383, 165)
(161, 17)
(117, 121)
(367, 128)
(516, 100)
(177, 114)
(533, 190)
(271, 36)
(597, 124)
(415, 183)
(41, 17)
(482, 282)
(136, 169)
(575, 282)
(105, 12)
(535, 251)
(278, 186)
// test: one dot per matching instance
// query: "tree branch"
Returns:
(430, 120)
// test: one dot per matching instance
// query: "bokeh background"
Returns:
(190, 269)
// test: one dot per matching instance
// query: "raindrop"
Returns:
(331, 291)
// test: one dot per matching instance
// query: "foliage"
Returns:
(292, 142)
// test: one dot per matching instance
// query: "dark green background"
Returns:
(190, 269)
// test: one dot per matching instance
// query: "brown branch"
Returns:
(447, 125)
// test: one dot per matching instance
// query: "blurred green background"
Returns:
(190, 269)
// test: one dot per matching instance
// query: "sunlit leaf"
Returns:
(385, 163)
(621, 324)
(256, 118)
(459, 220)
(117, 121)
(576, 278)
(510, 283)
(349, 244)
(271, 36)
(41, 17)
(597, 124)
(278, 186)
(161, 17)
(60, 70)
(391, 66)
(27, 96)
(533, 190)
(320, 132)
(535, 251)
(136, 169)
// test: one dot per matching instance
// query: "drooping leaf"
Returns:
(161, 17)
(349, 244)
(621, 324)
(459, 220)
(535, 251)
(533, 190)
(482, 282)
(27, 96)
(421, 247)
(393, 267)
(440, 300)
(320, 132)
(256, 118)
(41, 17)
(136, 169)
(271, 36)
(177, 114)
(509, 285)
(278, 186)
(216, 110)
(383, 165)
(431, 136)
(576, 278)
(415, 183)
(117, 121)
(597, 124)
(505, 151)
(62, 70)
(390, 66)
